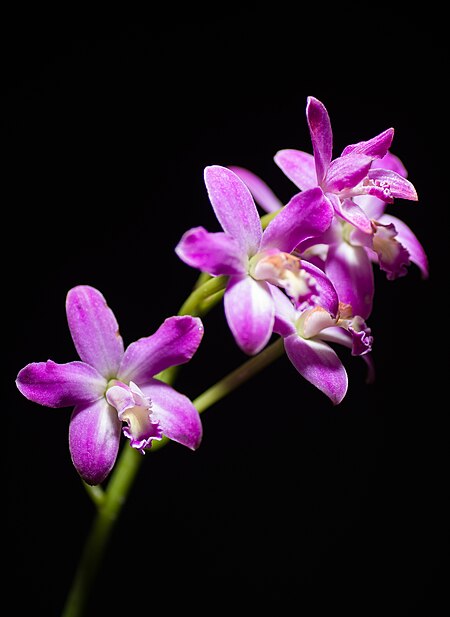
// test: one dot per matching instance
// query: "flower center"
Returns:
(284, 270)
(135, 409)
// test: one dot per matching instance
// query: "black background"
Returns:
(289, 501)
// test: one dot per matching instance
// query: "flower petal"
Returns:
(392, 162)
(307, 214)
(389, 181)
(327, 296)
(318, 364)
(60, 385)
(372, 206)
(249, 310)
(321, 136)
(376, 147)
(94, 437)
(94, 330)
(352, 213)
(408, 239)
(351, 272)
(285, 313)
(215, 253)
(346, 172)
(234, 207)
(175, 342)
(177, 417)
(342, 337)
(298, 166)
(262, 193)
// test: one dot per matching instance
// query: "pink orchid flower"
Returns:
(359, 184)
(255, 260)
(307, 335)
(114, 389)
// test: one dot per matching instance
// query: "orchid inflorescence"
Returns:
(301, 270)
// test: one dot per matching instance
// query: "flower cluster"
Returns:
(306, 276)
(309, 275)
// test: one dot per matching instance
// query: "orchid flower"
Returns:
(306, 334)
(113, 387)
(347, 176)
(252, 259)
(358, 184)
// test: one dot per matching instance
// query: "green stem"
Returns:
(116, 494)
(239, 376)
(96, 493)
(209, 288)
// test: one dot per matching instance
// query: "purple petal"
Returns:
(60, 385)
(321, 136)
(215, 253)
(393, 257)
(249, 310)
(327, 296)
(298, 166)
(408, 239)
(175, 342)
(388, 184)
(372, 206)
(318, 364)
(392, 162)
(351, 273)
(94, 437)
(352, 213)
(175, 413)
(376, 147)
(94, 330)
(285, 313)
(308, 214)
(262, 193)
(342, 337)
(346, 172)
(234, 207)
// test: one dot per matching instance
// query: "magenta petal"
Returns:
(262, 193)
(234, 207)
(94, 437)
(352, 213)
(308, 214)
(321, 135)
(372, 206)
(342, 337)
(215, 253)
(327, 296)
(318, 364)
(60, 385)
(298, 166)
(175, 342)
(392, 162)
(346, 172)
(351, 273)
(94, 330)
(392, 182)
(285, 313)
(177, 417)
(249, 310)
(408, 239)
(376, 147)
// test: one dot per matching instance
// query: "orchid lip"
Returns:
(135, 409)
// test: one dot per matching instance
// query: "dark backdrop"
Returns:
(289, 501)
